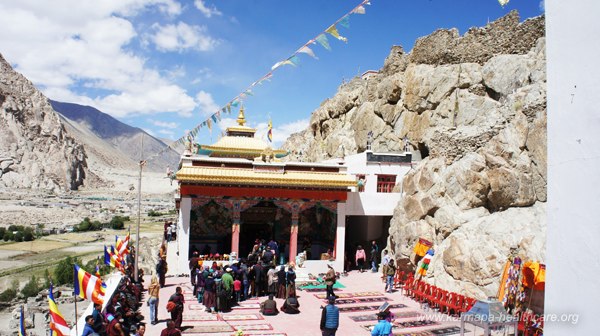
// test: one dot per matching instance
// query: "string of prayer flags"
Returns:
(422, 247)
(293, 60)
(503, 2)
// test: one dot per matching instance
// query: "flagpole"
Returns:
(137, 229)
(75, 302)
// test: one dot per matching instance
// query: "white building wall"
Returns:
(183, 235)
(573, 267)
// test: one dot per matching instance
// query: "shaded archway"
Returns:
(264, 221)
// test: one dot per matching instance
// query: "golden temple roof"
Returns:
(251, 177)
(239, 145)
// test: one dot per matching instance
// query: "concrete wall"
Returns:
(371, 204)
(573, 51)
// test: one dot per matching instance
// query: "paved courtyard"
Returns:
(361, 290)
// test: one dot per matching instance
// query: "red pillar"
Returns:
(235, 238)
(293, 242)
(294, 232)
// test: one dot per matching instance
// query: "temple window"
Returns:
(385, 183)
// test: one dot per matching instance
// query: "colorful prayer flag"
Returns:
(108, 260)
(88, 286)
(359, 10)
(122, 245)
(333, 31)
(308, 51)
(425, 262)
(22, 324)
(270, 131)
(422, 247)
(322, 39)
(58, 325)
(345, 21)
(503, 2)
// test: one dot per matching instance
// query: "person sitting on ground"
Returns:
(269, 306)
(383, 326)
(291, 306)
(170, 330)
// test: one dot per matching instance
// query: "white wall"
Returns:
(573, 256)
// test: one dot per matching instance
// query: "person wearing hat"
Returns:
(330, 280)
(227, 280)
(330, 318)
(383, 326)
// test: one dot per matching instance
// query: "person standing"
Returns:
(272, 280)
(161, 270)
(374, 253)
(330, 318)
(99, 325)
(360, 258)
(153, 295)
(177, 312)
(390, 272)
(383, 326)
(193, 265)
(290, 279)
(169, 232)
(330, 280)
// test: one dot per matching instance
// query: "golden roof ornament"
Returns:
(241, 120)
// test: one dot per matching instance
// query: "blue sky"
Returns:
(167, 65)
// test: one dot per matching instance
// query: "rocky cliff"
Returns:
(474, 108)
(35, 150)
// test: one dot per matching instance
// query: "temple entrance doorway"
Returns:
(316, 232)
(210, 229)
(264, 221)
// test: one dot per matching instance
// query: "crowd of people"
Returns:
(221, 287)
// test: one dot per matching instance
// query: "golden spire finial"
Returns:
(241, 119)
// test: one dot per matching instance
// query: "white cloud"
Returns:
(182, 36)
(88, 47)
(206, 104)
(167, 132)
(164, 124)
(208, 12)
(542, 5)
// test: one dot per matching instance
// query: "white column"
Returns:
(340, 234)
(183, 235)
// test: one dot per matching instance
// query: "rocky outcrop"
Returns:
(474, 108)
(35, 150)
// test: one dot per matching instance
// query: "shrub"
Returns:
(10, 293)
(18, 236)
(32, 288)
(153, 213)
(118, 222)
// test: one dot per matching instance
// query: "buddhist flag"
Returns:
(422, 247)
(122, 245)
(270, 131)
(58, 325)
(108, 260)
(88, 286)
(22, 324)
(425, 262)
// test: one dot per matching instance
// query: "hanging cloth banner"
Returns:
(345, 22)
(308, 51)
(425, 262)
(422, 247)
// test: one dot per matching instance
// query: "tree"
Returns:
(32, 288)
(47, 278)
(63, 273)
(28, 234)
(18, 236)
(117, 223)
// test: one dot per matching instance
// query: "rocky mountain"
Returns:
(474, 109)
(35, 149)
(126, 139)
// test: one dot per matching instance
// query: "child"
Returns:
(237, 288)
